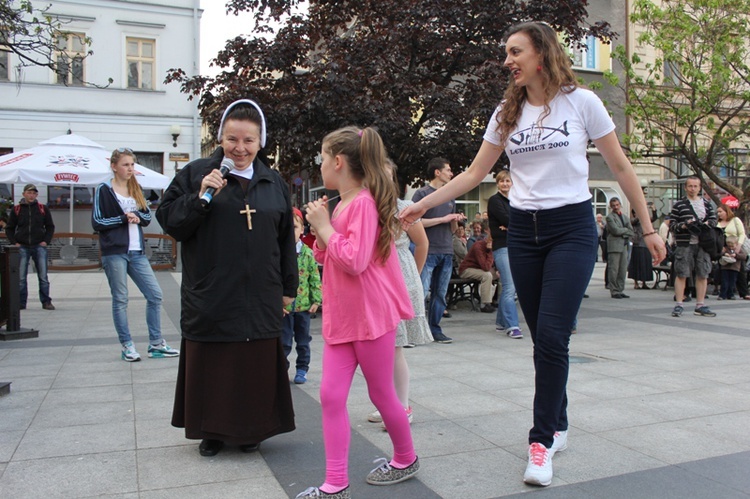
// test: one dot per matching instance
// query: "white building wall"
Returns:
(34, 108)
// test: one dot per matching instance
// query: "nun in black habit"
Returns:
(239, 269)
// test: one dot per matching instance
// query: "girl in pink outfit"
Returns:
(365, 297)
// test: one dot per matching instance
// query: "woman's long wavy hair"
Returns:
(557, 76)
(134, 188)
(366, 156)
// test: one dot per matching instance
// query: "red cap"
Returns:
(297, 213)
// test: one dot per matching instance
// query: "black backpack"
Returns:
(712, 240)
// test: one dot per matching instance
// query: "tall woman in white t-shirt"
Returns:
(120, 210)
(544, 125)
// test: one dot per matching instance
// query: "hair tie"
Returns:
(360, 133)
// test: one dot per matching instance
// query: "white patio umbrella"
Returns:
(70, 160)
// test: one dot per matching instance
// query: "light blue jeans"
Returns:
(507, 314)
(134, 264)
(436, 275)
(39, 255)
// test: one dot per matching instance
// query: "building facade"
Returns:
(134, 44)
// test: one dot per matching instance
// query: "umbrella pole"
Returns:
(71, 213)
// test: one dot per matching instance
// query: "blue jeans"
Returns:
(507, 314)
(297, 329)
(552, 255)
(436, 275)
(39, 255)
(134, 264)
(728, 282)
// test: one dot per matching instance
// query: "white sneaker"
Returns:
(375, 417)
(409, 414)
(129, 353)
(560, 443)
(539, 469)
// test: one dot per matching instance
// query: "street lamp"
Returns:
(175, 131)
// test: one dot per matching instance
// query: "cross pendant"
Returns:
(249, 213)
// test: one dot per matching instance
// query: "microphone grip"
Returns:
(209, 194)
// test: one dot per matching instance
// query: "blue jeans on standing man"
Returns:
(37, 253)
(134, 264)
(436, 275)
(507, 314)
(552, 255)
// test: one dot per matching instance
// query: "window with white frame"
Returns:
(599, 201)
(71, 52)
(141, 60)
(589, 54)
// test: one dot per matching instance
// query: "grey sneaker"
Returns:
(677, 311)
(385, 474)
(704, 311)
(129, 353)
(316, 492)
(441, 338)
(162, 350)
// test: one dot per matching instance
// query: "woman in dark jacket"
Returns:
(498, 209)
(120, 210)
(239, 270)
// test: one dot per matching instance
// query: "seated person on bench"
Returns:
(478, 265)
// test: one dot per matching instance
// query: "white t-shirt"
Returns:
(129, 205)
(548, 162)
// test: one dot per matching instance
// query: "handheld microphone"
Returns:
(227, 165)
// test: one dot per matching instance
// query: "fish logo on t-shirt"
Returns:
(535, 134)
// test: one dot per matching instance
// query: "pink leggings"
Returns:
(375, 357)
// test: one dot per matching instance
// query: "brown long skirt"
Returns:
(235, 392)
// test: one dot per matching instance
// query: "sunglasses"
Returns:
(125, 150)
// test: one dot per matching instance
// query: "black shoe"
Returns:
(687, 299)
(48, 306)
(247, 448)
(441, 338)
(210, 447)
(447, 315)
(623, 295)
(617, 296)
(22, 307)
(487, 308)
(585, 295)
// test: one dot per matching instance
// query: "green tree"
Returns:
(690, 102)
(427, 73)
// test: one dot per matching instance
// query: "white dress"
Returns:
(416, 330)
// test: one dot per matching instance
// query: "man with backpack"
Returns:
(687, 216)
(30, 227)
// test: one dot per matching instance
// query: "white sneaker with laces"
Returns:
(129, 353)
(560, 443)
(539, 469)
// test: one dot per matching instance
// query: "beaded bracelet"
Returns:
(649, 233)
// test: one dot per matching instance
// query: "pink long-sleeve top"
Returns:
(364, 298)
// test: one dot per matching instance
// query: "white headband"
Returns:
(256, 106)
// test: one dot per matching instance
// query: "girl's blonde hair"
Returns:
(365, 154)
(134, 188)
(557, 76)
